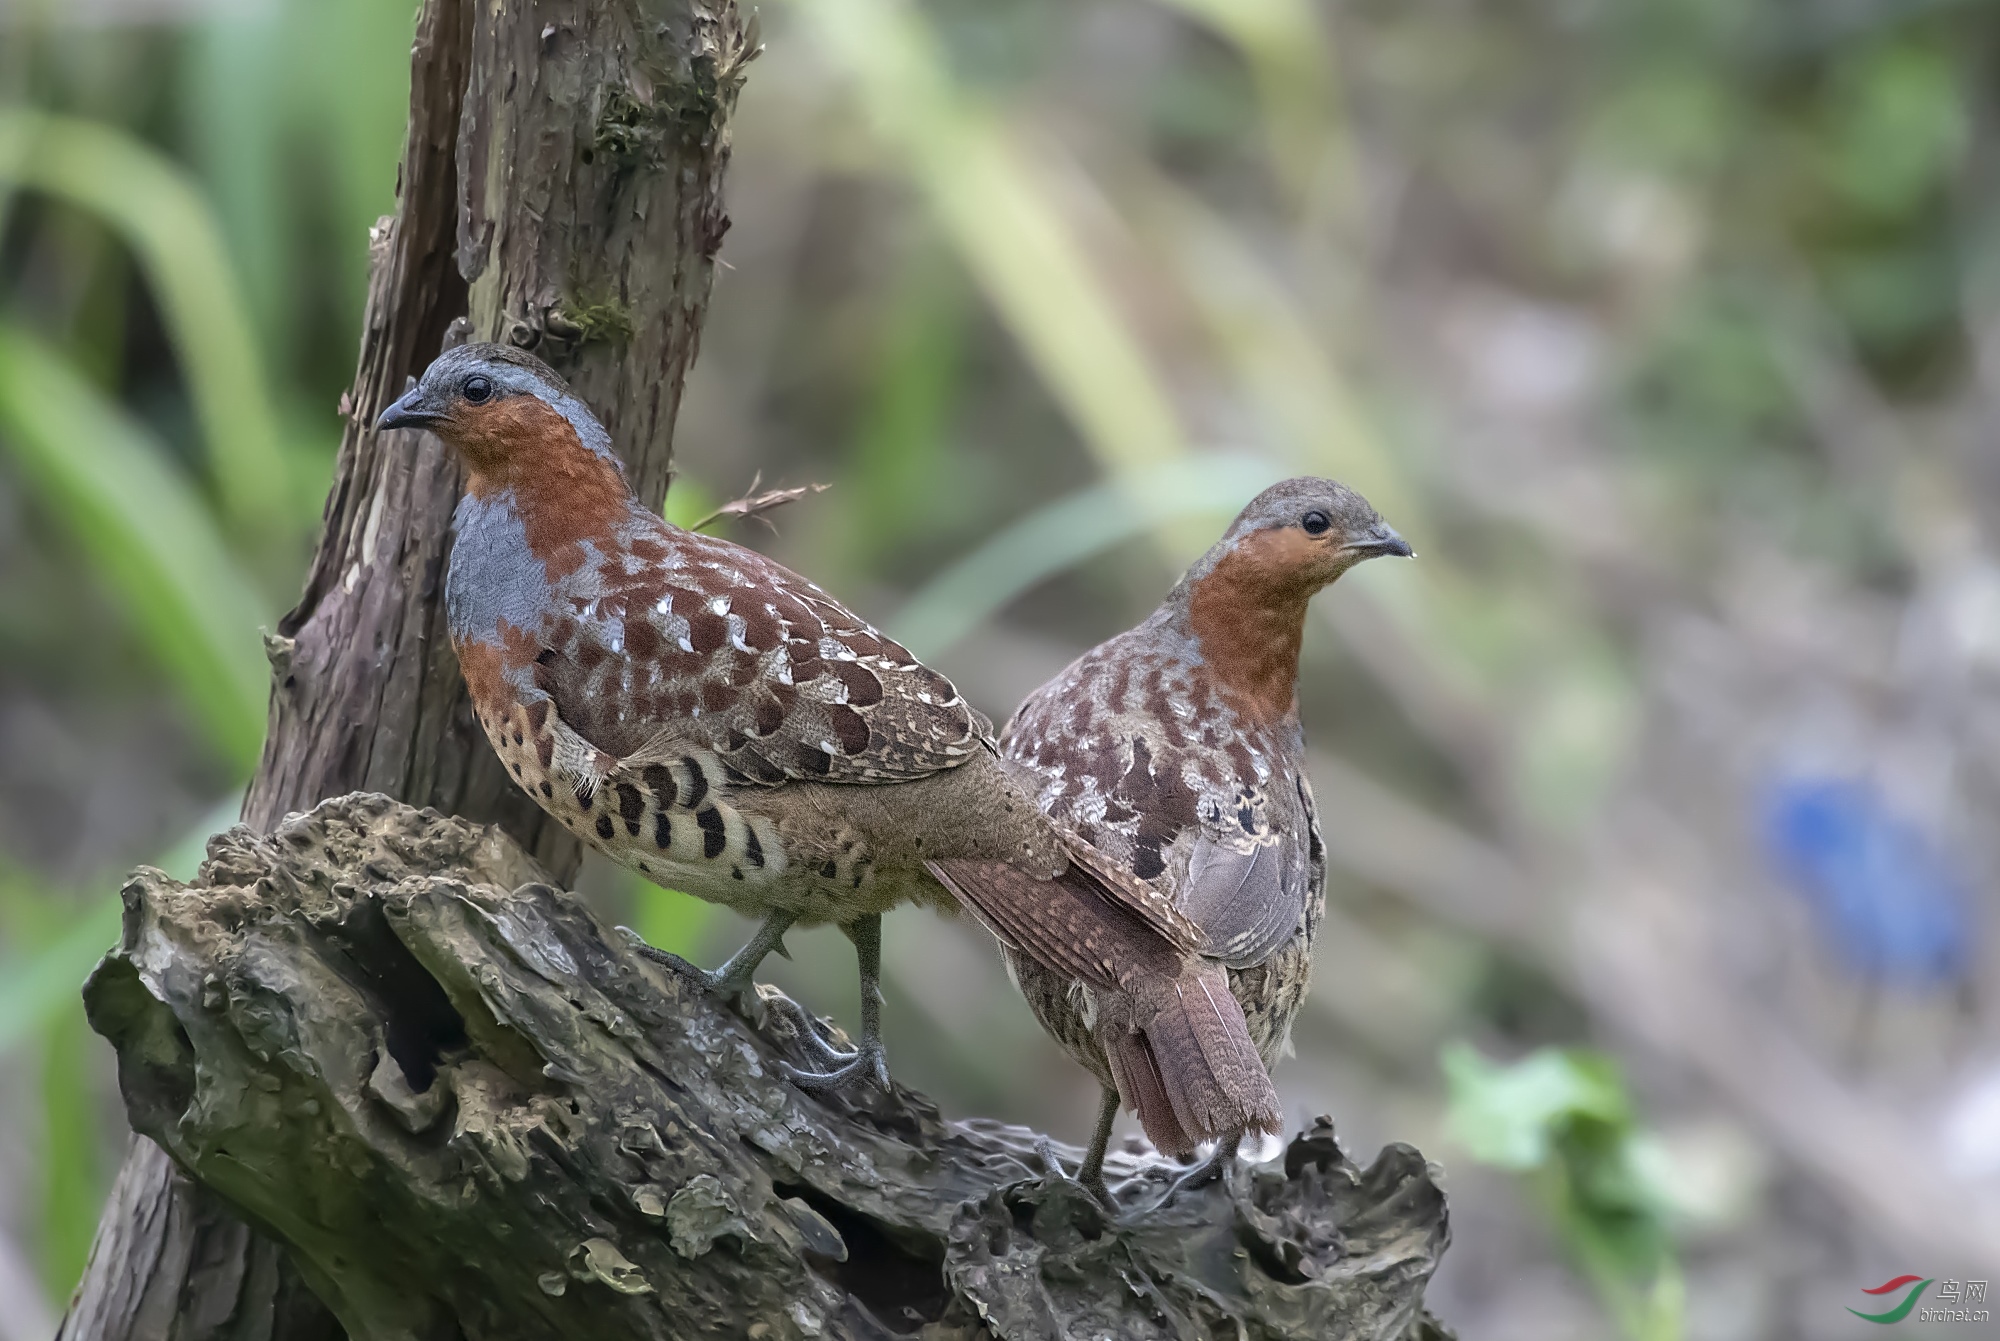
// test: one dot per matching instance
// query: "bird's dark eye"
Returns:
(477, 389)
(1315, 522)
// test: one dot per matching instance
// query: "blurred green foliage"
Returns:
(1562, 1120)
(295, 127)
(1066, 532)
(146, 533)
(161, 216)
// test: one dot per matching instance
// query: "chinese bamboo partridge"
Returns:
(721, 725)
(1175, 748)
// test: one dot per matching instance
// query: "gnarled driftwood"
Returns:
(470, 1111)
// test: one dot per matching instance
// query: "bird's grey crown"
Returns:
(1286, 504)
(514, 372)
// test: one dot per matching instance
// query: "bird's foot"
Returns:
(839, 1066)
(720, 981)
(1092, 1182)
(863, 1064)
(1216, 1166)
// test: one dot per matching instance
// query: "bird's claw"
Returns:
(1045, 1150)
(862, 1064)
(713, 981)
(1216, 1166)
(841, 1066)
(1053, 1169)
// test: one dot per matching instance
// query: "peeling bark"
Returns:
(383, 1036)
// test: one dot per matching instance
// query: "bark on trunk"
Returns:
(560, 189)
(471, 1112)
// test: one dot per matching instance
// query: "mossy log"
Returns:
(470, 1110)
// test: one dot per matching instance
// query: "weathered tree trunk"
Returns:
(381, 1056)
(560, 189)
(470, 1112)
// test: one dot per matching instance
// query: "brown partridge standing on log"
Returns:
(1175, 748)
(722, 726)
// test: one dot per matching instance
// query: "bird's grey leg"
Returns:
(735, 973)
(734, 977)
(1091, 1175)
(866, 1061)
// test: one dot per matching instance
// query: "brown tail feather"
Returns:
(1191, 1070)
(1136, 1072)
(1068, 924)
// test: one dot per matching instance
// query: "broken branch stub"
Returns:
(470, 1111)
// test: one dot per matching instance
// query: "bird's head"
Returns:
(509, 414)
(1245, 600)
(1295, 537)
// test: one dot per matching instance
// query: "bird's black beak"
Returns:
(1381, 540)
(407, 412)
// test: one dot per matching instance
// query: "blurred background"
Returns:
(1667, 330)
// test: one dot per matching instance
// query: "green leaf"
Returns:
(48, 980)
(1065, 533)
(163, 217)
(670, 919)
(1513, 1115)
(1561, 1117)
(901, 480)
(1898, 123)
(144, 528)
(688, 500)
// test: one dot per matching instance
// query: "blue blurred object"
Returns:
(1881, 890)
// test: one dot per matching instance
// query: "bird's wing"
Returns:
(1073, 924)
(684, 642)
(1146, 789)
(1242, 899)
(1249, 870)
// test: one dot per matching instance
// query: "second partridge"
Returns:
(1176, 749)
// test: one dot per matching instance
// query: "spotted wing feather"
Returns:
(681, 643)
(1138, 755)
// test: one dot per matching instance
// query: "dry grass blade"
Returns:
(755, 504)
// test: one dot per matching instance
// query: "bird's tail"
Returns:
(1186, 1062)
(1179, 1047)
(1074, 923)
